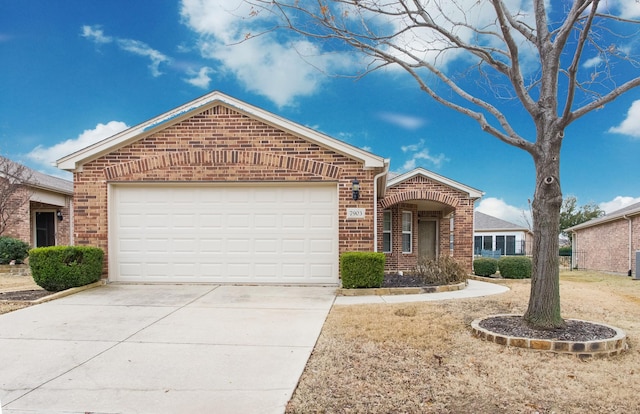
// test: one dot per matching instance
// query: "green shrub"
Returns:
(362, 269)
(13, 249)
(58, 268)
(444, 271)
(565, 251)
(485, 266)
(515, 267)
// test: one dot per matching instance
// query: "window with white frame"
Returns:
(407, 231)
(386, 232)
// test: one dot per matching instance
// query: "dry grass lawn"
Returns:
(10, 283)
(421, 358)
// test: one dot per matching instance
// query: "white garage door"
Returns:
(227, 233)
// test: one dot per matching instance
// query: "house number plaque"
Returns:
(355, 213)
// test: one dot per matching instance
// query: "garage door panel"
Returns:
(318, 270)
(293, 246)
(211, 221)
(266, 246)
(239, 221)
(266, 270)
(267, 222)
(236, 234)
(321, 221)
(319, 247)
(293, 221)
(292, 270)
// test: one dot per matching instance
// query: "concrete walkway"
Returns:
(473, 290)
(170, 348)
(160, 349)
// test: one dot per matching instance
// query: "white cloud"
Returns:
(631, 125)
(271, 65)
(627, 9)
(593, 62)
(497, 207)
(95, 34)
(142, 49)
(200, 79)
(403, 121)
(618, 203)
(47, 156)
(418, 154)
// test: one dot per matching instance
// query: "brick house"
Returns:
(40, 209)
(608, 243)
(493, 234)
(218, 190)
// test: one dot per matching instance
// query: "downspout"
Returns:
(629, 273)
(375, 205)
(574, 251)
(71, 223)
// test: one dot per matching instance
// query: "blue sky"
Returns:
(77, 71)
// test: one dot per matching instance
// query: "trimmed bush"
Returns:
(13, 249)
(485, 266)
(512, 267)
(362, 269)
(444, 271)
(59, 268)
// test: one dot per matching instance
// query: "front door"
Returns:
(427, 238)
(45, 228)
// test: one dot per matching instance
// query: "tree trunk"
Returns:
(543, 311)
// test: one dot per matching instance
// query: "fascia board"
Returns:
(77, 159)
(603, 220)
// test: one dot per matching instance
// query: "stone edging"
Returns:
(19, 270)
(61, 294)
(400, 290)
(499, 280)
(582, 349)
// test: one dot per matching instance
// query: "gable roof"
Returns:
(36, 179)
(397, 179)
(485, 222)
(75, 160)
(631, 210)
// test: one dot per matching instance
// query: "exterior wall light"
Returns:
(59, 215)
(355, 188)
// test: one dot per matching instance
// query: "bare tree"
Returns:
(14, 192)
(556, 65)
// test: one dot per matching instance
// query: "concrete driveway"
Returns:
(160, 349)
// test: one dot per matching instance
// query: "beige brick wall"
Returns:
(22, 226)
(606, 247)
(18, 222)
(63, 227)
(221, 145)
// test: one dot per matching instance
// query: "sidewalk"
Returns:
(473, 290)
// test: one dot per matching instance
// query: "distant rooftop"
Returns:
(630, 210)
(43, 181)
(485, 222)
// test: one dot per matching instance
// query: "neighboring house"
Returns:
(218, 190)
(494, 234)
(44, 220)
(608, 243)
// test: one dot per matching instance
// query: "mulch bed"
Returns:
(393, 280)
(24, 295)
(576, 331)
